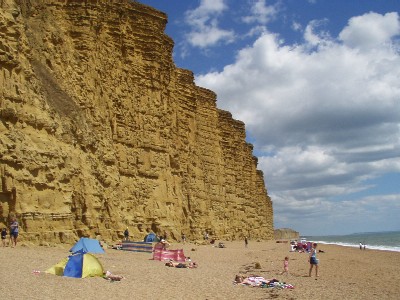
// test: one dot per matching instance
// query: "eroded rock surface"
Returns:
(286, 234)
(100, 130)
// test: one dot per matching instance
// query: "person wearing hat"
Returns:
(164, 244)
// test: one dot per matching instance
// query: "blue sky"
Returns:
(317, 83)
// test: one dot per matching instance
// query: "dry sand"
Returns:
(345, 273)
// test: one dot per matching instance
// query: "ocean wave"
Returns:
(373, 247)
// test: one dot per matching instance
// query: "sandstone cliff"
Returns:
(100, 130)
(286, 234)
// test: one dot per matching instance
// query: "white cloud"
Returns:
(256, 31)
(296, 26)
(313, 37)
(209, 36)
(207, 11)
(325, 113)
(370, 30)
(206, 8)
(203, 21)
(261, 13)
(338, 216)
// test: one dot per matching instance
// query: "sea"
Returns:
(385, 241)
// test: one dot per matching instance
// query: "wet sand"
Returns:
(344, 273)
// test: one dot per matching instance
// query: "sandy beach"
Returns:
(345, 273)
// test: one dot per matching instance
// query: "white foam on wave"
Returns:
(374, 247)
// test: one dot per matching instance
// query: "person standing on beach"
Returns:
(313, 260)
(3, 236)
(126, 234)
(285, 266)
(361, 246)
(246, 241)
(14, 230)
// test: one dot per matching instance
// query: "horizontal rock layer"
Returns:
(286, 234)
(101, 131)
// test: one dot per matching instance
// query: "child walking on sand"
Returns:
(313, 260)
(285, 266)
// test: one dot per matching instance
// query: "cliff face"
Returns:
(100, 130)
(286, 234)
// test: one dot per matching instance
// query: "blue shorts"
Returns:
(313, 261)
(14, 234)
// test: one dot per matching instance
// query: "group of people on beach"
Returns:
(14, 230)
(312, 259)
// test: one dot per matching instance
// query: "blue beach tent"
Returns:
(87, 245)
(78, 265)
(150, 238)
(81, 265)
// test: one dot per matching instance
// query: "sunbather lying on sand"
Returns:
(172, 263)
(253, 280)
(107, 275)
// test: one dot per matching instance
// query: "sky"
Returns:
(317, 83)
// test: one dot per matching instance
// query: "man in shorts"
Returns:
(14, 230)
